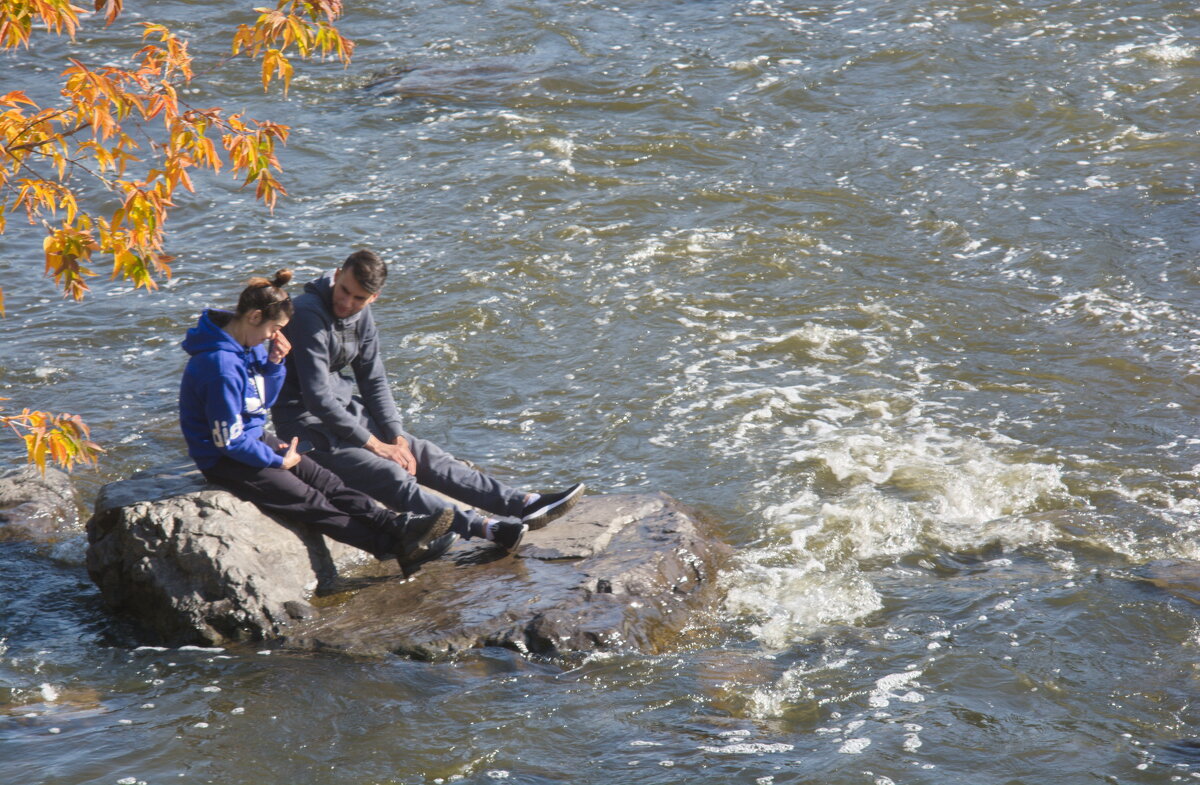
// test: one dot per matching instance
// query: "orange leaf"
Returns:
(16, 97)
(112, 9)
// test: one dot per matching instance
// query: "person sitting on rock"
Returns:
(360, 437)
(233, 376)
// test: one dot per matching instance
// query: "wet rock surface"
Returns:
(194, 564)
(618, 572)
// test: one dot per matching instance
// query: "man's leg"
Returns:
(441, 471)
(390, 484)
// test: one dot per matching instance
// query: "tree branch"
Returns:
(13, 149)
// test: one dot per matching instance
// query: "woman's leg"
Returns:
(343, 497)
(284, 493)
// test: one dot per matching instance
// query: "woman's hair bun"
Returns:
(279, 281)
(267, 296)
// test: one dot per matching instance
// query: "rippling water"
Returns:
(902, 294)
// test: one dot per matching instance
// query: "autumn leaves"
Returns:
(99, 171)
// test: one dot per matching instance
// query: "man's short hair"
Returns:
(368, 269)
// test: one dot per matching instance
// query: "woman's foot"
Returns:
(435, 549)
(411, 532)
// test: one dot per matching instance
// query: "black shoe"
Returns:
(418, 531)
(508, 534)
(432, 550)
(551, 506)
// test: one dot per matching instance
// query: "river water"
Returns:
(901, 294)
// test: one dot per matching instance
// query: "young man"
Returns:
(358, 435)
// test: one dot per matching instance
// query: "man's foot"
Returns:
(506, 534)
(418, 531)
(433, 550)
(550, 506)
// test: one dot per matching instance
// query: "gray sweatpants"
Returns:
(387, 482)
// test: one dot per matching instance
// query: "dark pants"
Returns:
(310, 494)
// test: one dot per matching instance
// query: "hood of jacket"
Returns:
(209, 336)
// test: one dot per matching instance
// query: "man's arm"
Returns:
(373, 386)
(372, 381)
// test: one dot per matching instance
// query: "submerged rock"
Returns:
(474, 80)
(1178, 577)
(37, 507)
(193, 564)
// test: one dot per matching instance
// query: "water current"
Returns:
(900, 293)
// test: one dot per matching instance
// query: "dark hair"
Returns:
(267, 296)
(368, 269)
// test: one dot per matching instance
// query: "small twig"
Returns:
(11, 149)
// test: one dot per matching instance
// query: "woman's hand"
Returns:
(280, 346)
(291, 457)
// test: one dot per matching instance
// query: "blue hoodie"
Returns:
(224, 396)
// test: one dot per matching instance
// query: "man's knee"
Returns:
(385, 480)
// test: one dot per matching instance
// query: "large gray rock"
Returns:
(618, 572)
(37, 507)
(195, 565)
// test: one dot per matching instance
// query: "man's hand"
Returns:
(291, 457)
(280, 346)
(397, 451)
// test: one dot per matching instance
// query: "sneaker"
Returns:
(417, 531)
(507, 534)
(550, 506)
(432, 550)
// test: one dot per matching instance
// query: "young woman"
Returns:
(233, 376)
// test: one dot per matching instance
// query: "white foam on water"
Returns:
(829, 343)
(793, 688)
(788, 600)
(906, 485)
(854, 746)
(649, 249)
(749, 748)
(1168, 51)
(707, 241)
(886, 690)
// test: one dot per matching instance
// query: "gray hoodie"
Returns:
(317, 394)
